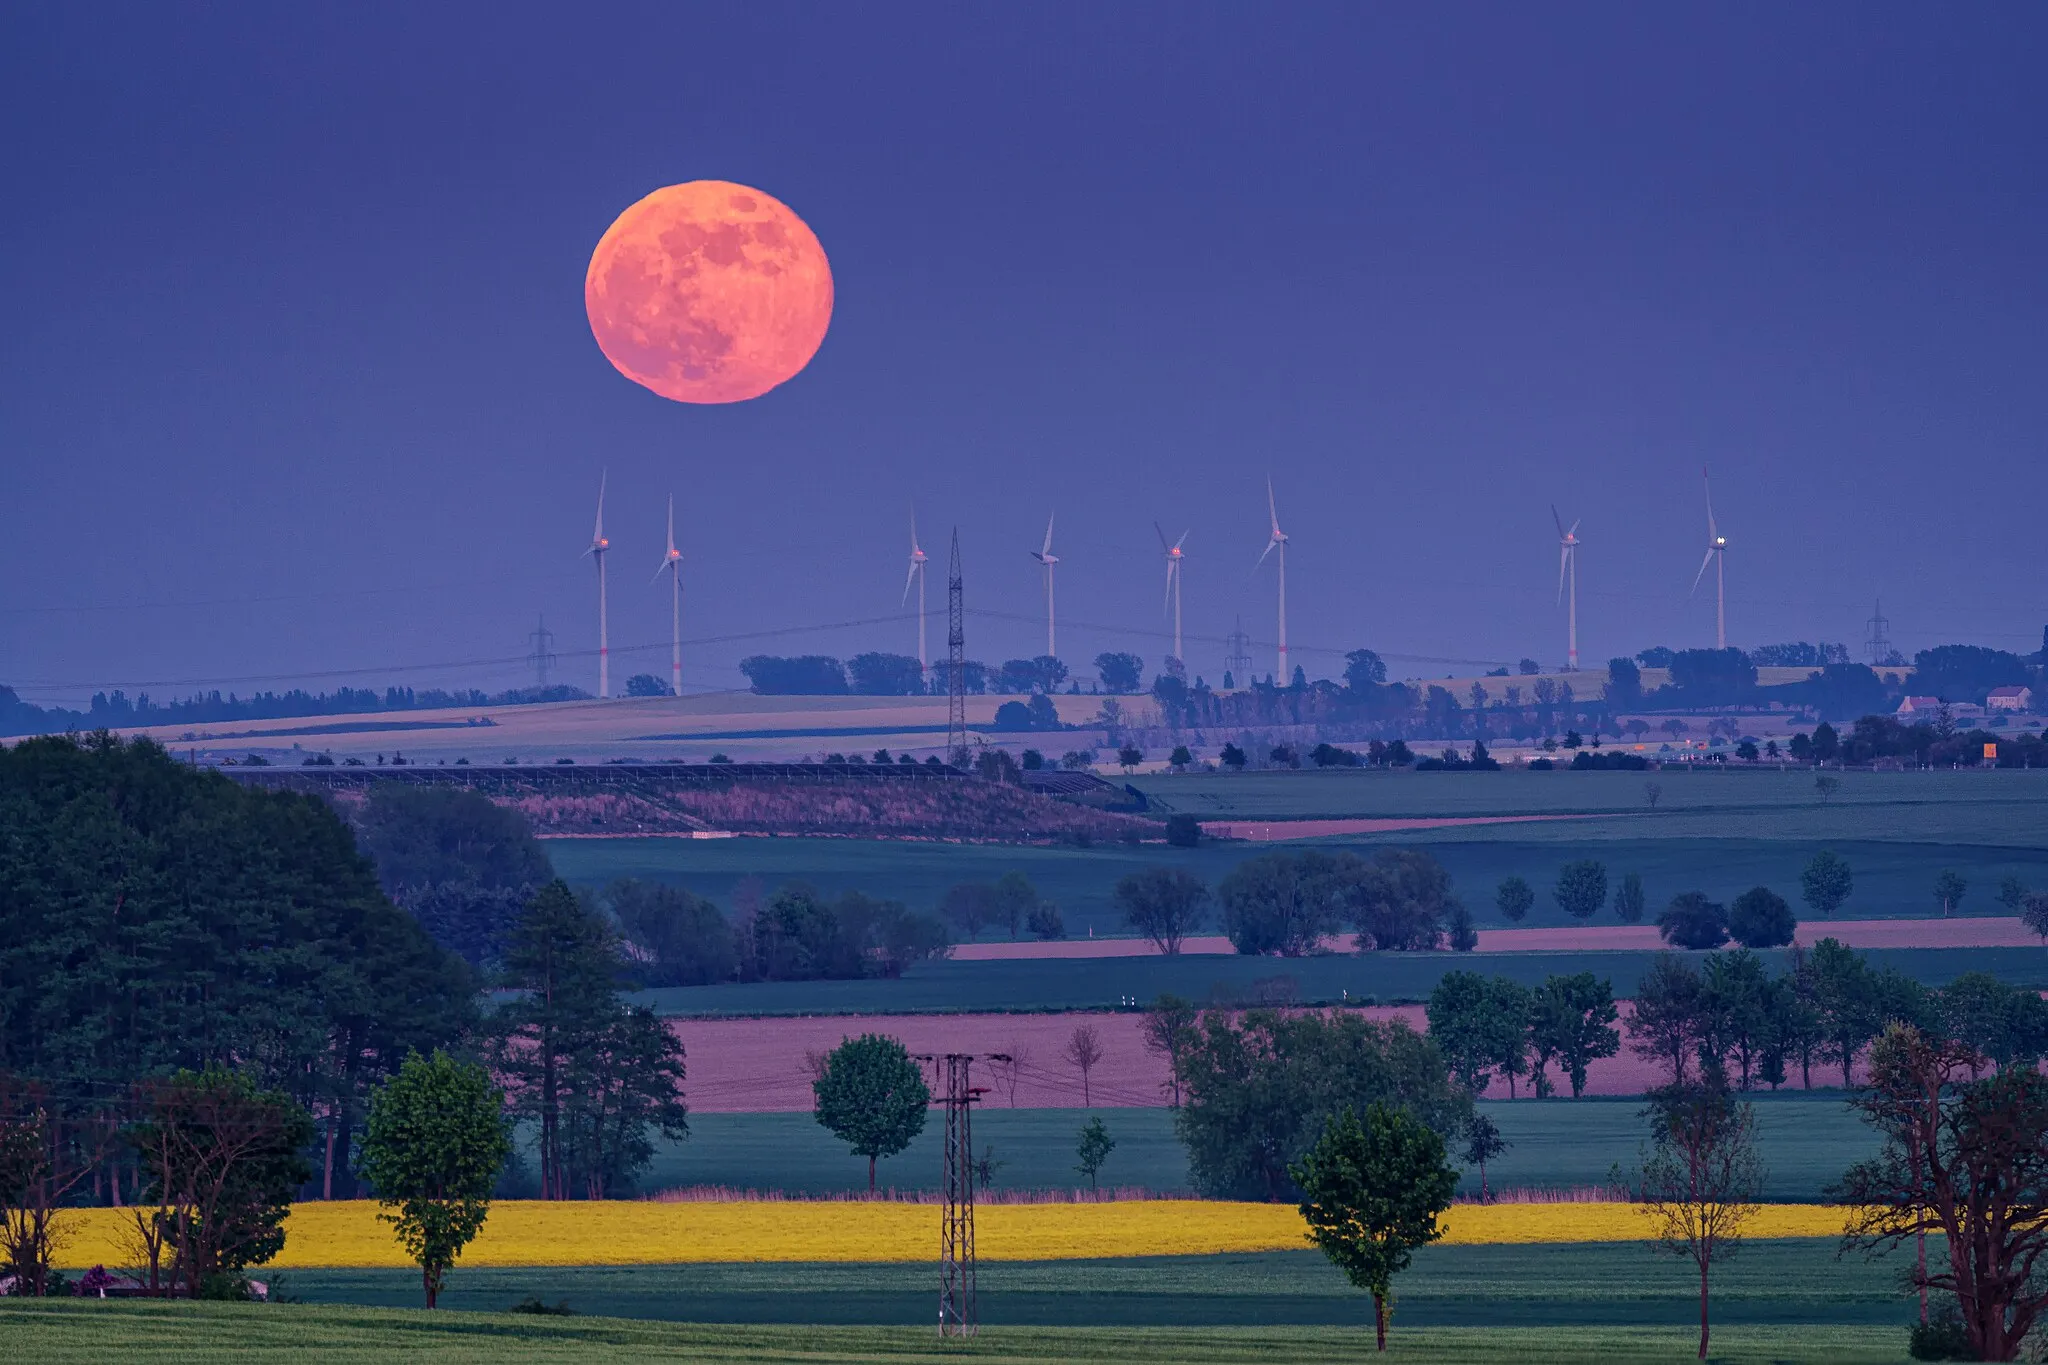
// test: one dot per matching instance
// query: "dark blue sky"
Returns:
(297, 378)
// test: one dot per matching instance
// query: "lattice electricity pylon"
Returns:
(959, 1315)
(956, 653)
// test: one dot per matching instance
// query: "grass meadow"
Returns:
(1360, 978)
(91, 1332)
(1894, 878)
(1807, 1139)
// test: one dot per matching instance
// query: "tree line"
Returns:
(203, 989)
(116, 710)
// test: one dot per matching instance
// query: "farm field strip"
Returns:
(525, 1233)
(1893, 879)
(66, 1331)
(1984, 931)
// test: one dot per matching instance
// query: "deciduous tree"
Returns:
(1163, 904)
(1826, 882)
(1702, 1179)
(872, 1097)
(1372, 1192)
(1581, 888)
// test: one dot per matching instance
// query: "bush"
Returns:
(1693, 921)
(1941, 1337)
(1760, 918)
(1044, 921)
(1183, 831)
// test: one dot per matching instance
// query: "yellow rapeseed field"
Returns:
(348, 1233)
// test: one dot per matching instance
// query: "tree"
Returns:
(562, 963)
(2012, 894)
(1231, 757)
(886, 675)
(1284, 902)
(1693, 921)
(2034, 913)
(1094, 1148)
(1398, 901)
(1581, 888)
(1735, 1013)
(1628, 899)
(1181, 758)
(1458, 1024)
(463, 865)
(805, 675)
(871, 1097)
(1846, 999)
(969, 907)
(1826, 882)
(1653, 792)
(436, 1140)
(682, 938)
(1363, 669)
(1624, 688)
(646, 685)
(1665, 1024)
(1012, 900)
(221, 1159)
(1963, 1156)
(1826, 785)
(1459, 932)
(1372, 1192)
(1121, 673)
(1483, 1143)
(1760, 918)
(1183, 830)
(1514, 899)
(1702, 1180)
(1258, 1086)
(1827, 746)
(1168, 1028)
(1084, 1050)
(1129, 756)
(1572, 1018)
(1163, 905)
(1948, 890)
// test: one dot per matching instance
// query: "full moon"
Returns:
(709, 292)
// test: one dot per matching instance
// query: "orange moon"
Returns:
(709, 292)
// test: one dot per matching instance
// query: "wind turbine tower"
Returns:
(1568, 572)
(598, 546)
(1278, 541)
(1048, 559)
(1717, 555)
(917, 559)
(1174, 560)
(672, 565)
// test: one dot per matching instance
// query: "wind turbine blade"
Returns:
(1268, 550)
(1557, 520)
(1272, 510)
(1162, 537)
(1183, 539)
(1713, 532)
(602, 478)
(658, 573)
(1048, 537)
(1702, 573)
(1167, 605)
(671, 523)
(908, 579)
(913, 528)
(1575, 528)
(1564, 552)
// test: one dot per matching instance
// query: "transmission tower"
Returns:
(956, 679)
(543, 654)
(1239, 660)
(1878, 645)
(958, 1314)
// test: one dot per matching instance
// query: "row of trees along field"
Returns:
(1358, 1121)
(202, 988)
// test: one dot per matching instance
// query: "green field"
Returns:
(1361, 978)
(1806, 1140)
(92, 1332)
(1607, 1284)
(1998, 799)
(1894, 878)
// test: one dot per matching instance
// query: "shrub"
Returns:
(1760, 918)
(1941, 1337)
(1183, 831)
(1044, 921)
(1514, 899)
(1693, 921)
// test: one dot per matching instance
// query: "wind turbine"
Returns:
(917, 559)
(1278, 540)
(1174, 559)
(1568, 568)
(672, 564)
(1717, 555)
(598, 546)
(1048, 558)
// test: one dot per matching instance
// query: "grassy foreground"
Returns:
(57, 1331)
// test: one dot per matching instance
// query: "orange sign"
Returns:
(1991, 752)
